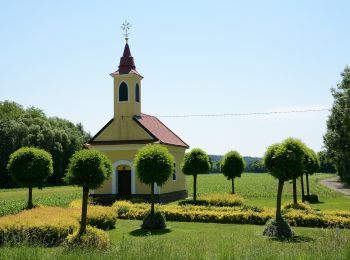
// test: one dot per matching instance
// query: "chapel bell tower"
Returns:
(127, 84)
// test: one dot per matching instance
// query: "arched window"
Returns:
(137, 93)
(123, 92)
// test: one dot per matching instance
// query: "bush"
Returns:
(300, 206)
(37, 227)
(251, 208)
(93, 238)
(101, 217)
(154, 221)
(219, 200)
(98, 216)
(312, 198)
(278, 228)
(49, 226)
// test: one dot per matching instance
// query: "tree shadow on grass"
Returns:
(295, 239)
(145, 232)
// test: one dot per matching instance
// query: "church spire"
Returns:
(126, 64)
(126, 61)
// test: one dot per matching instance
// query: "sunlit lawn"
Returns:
(201, 241)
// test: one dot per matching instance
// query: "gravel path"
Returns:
(334, 184)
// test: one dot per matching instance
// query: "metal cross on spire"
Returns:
(126, 27)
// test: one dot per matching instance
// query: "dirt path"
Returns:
(334, 184)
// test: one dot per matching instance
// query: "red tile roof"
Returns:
(159, 131)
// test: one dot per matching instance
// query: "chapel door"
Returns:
(124, 182)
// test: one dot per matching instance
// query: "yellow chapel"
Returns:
(126, 133)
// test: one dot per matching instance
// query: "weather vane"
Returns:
(126, 27)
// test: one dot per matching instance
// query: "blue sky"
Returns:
(197, 57)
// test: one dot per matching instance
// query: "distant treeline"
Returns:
(256, 164)
(31, 127)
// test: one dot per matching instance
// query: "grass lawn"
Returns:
(13, 200)
(261, 189)
(201, 241)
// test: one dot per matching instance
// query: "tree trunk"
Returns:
(152, 198)
(30, 198)
(307, 185)
(295, 199)
(84, 211)
(302, 188)
(233, 185)
(195, 188)
(279, 199)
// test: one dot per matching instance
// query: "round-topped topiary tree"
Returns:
(30, 167)
(88, 169)
(195, 162)
(232, 166)
(311, 166)
(284, 161)
(153, 164)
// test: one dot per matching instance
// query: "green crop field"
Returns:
(201, 241)
(261, 189)
(13, 200)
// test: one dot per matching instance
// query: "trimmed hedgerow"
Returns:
(218, 200)
(232, 215)
(299, 206)
(98, 216)
(40, 226)
(92, 238)
(49, 226)
(315, 219)
(191, 213)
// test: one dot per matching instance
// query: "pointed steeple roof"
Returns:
(126, 64)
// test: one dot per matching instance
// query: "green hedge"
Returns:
(49, 226)
(93, 239)
(233, 215)
(218, 200)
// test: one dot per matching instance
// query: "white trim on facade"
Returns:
(115, 176)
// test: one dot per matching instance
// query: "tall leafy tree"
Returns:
(21, 127)
(284, 161)
(88, 169)
(232, 166)
(326, 166)
(30, 167)
(195, 162)
(337, 137)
